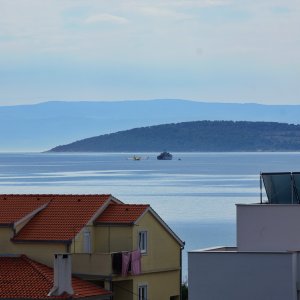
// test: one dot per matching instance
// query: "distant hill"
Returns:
(195, 136)
(43, 126)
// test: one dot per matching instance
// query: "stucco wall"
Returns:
(77, 245)
(163, 251)
(104, 239)
(160, 265)
(268, 227)
(41, 252)
(112, 238)
(123, 290)
(6, 234)
(246, 276)
(161, 286)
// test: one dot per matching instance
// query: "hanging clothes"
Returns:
(126, 257)
(136, 262)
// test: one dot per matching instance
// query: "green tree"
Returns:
(185, 291)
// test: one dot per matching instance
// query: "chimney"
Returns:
(62, 275)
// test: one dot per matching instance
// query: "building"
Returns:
(126, 251)
(265, 264)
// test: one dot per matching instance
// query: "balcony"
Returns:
(96, 264)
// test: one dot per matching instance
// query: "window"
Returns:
(87, 247)
(143, 289)
(143, 241)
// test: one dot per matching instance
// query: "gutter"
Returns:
(114, 224)
(41, 241)
(7, 225)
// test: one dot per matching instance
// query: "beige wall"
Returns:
(163, 251)
(160, 285)
(123, 290)
(113, 238)
(161, 263)
(41, 252)
(96, 264)
(6, 234)
(77, 245)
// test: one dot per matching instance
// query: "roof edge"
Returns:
(113, 198)
(30, 215)
(142, 215)
(20, 241)
(164, 224)
(8, 225)
(99, 211)
(128, 224)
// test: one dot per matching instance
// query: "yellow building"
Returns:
(125, 248)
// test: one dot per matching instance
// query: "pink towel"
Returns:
(125, 262)
(136, 262)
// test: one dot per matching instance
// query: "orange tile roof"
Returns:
(121, 213)
(23, 278)
(62, 219)
(16, 207)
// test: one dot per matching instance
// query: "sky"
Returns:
(205, 50)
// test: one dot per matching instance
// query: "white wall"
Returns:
(242, 276)
(268, 227)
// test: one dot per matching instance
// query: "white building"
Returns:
(265, 265)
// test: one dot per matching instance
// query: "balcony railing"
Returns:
(92, 264)
(99, 264)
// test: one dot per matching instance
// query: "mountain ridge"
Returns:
(196, 136)
(43, 126)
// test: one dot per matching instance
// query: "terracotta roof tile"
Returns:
(23, 278)
(121, 213)
(16, 207)
(62, 219)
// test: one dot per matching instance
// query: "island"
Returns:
(196, 136)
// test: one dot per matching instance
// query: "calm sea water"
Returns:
(195, 195)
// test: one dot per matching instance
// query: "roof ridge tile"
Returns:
(62, 219)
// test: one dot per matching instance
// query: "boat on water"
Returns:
(165, 156)
(135, 157)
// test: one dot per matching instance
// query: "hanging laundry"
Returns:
(125, 263)
(136, 262)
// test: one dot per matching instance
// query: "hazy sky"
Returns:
(209, 50)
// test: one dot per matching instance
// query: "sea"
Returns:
(195, 193)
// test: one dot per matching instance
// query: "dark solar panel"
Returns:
(282, 188)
